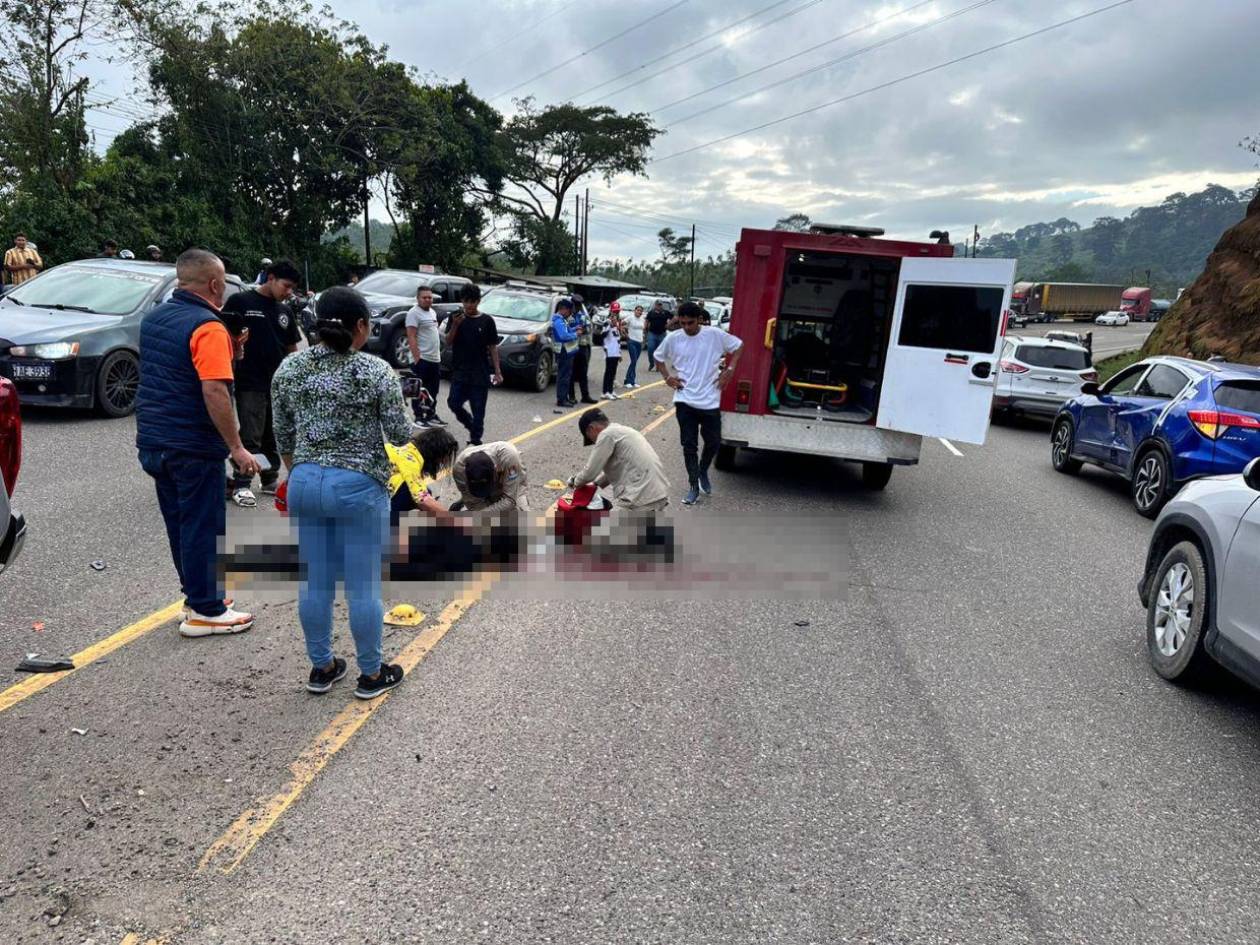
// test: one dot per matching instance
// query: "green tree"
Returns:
(674, 248)
(796, 222)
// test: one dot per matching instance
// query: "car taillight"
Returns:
(1013, 367)
(1214, 423)
(1089, 375)
(743, 396)
(10, 436)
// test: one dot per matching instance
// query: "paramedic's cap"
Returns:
(592, 416)
(480, 474)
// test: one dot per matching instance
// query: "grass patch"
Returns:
(1108, 368)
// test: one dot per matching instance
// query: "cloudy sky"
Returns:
(1094, 118)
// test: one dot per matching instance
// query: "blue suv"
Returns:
(1161, 423)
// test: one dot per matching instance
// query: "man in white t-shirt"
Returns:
(690, 361)
(426, 356)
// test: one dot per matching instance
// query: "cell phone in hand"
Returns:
(411, 387)
(263, 463)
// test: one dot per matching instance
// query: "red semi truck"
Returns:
(1136, 303)
(858, 347)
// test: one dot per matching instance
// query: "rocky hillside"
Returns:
(1220, 312)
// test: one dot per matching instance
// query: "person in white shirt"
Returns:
(421, 324)
(690, 361)
(635, 326)
(612, 355)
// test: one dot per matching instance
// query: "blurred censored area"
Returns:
(578, 553)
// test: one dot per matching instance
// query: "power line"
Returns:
(714, 48)
(804, 52)
(516, 36)
(634, 211)
(587, 52)
(892, 82)
(833, 62)
(677, 49)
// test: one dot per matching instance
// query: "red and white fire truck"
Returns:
(857, 347)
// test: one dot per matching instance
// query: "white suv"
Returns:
(1037, 375)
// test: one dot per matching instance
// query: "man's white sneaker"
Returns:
(230, 621)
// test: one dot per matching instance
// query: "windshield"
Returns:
(628, 302)
(530, 308)
(1063, 359)
(393, 283)
(100, 290)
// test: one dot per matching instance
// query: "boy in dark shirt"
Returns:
(273, 335)
(474, 341)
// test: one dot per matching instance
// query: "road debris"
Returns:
(555, 484)
(33, 664)
(404, 615)
(38, 626)
(83, 801)
(537, 420)
(98, 565)
(79, 731)
(659, 408)
(801, 623)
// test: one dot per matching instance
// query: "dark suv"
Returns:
(12, 524)
(390, 294)
(522, 315)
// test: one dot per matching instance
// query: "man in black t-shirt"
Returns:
(474, 341)
(657, 323)
(260, 318)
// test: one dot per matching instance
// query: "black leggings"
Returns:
(610, 373)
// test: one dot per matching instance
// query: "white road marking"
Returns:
(950, 446)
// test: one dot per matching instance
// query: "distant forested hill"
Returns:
(1172, 240)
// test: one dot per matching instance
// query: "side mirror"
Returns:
(1092, 388)
(1251, 475)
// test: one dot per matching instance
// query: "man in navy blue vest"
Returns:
(186, 428)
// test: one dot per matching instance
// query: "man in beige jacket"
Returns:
(491, 478)
(624, 461)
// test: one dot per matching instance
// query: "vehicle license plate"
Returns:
(32, 371)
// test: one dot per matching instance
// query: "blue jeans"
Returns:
(342, 522)
(653, 342)
(564, 375)
(632, 368)
(190, 496)
(475, 396)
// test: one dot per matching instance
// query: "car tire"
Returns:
(1176, 616)
(542, 372)
(726, 457)
(1151, 486)
(875, 476)
(397, 349)
(1061, 442)
(117, 381)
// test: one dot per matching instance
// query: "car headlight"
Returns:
(520, 339)
(52, 351)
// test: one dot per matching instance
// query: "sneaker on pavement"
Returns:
(705, 486)
(692, 496)
(322, 679)
(589, 400)
(269, 488)
(390, 676)
(436, 421)
(244, 498)
(230, 621)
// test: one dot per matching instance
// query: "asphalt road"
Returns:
(969, 748)
(1107, 341)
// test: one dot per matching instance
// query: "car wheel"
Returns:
(726, 457)
(1152, 483)
(117, 381)
(542, 371)
(399, 350)
(1177, 614)
(1061, 443)
(876, 475)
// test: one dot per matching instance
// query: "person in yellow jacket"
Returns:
(413, 467)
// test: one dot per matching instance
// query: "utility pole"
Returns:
(367, 225)
(577, 229)
(693, 259)
(975, 240)
(586, 231)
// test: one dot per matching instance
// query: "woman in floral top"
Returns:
(335, 408)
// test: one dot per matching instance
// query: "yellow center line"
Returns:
(28, 687)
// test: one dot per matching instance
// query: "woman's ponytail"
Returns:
(338, 313)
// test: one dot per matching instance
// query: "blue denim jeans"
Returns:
(342, 520)
(564, 376)
(190, 497)
(653, 342)
(634, 347)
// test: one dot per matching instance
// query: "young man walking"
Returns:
(426, 355)
(657, 323)
(185, 428)
(474, 342)
(261, 316)
(689, 361)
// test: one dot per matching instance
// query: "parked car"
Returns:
(1160, 424)
(1114, 319)
(1037, 376)
(1084, 339)
(522, 315)
(647, 300)
(70, 337)
(12, 524)
(1199, 585)
(390, 294)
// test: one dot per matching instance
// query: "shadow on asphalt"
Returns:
(60, 415)
(792, 475)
